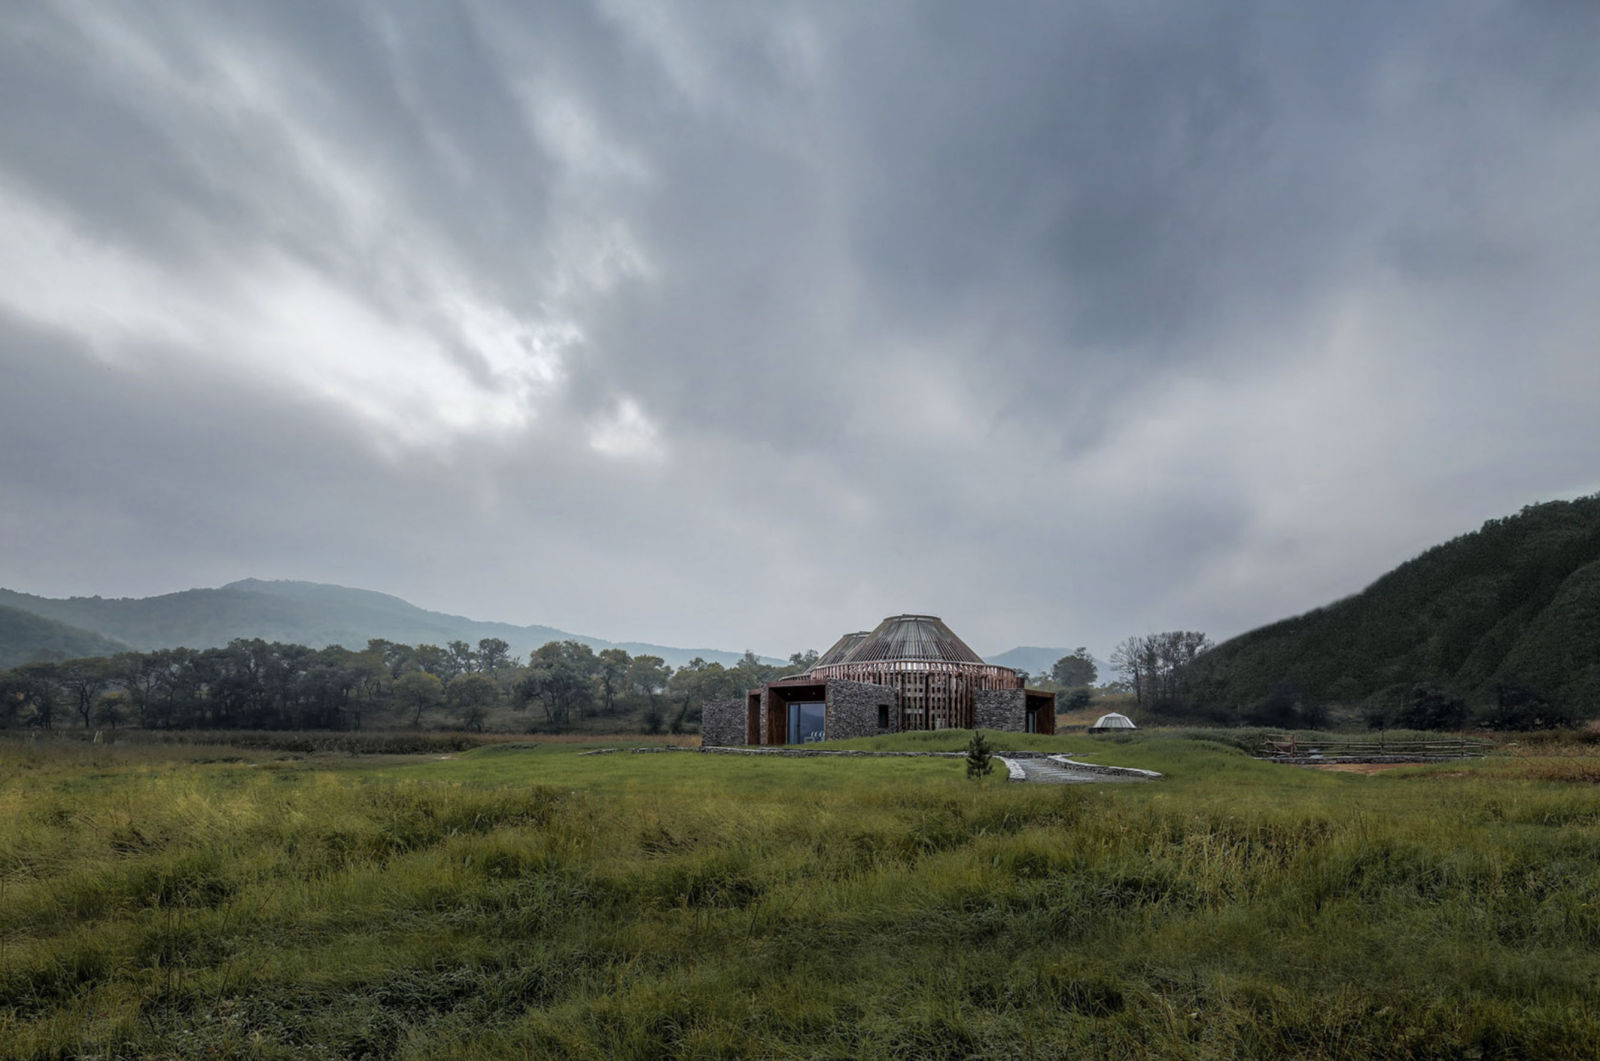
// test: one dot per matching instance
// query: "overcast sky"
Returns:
(747, 324)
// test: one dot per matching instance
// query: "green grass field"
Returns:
(520, 900)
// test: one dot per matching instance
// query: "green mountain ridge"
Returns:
(25, 637)
(307, 613)
(1517, 601)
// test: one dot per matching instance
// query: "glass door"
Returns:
(807, 722)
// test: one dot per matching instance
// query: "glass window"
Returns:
(807, 722)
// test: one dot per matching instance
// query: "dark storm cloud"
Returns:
(1067, 323)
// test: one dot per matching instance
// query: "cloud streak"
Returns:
(748, 325)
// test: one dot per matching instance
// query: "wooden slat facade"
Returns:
(933, 694)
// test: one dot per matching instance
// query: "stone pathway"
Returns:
(1063, 770)
(1051, 772)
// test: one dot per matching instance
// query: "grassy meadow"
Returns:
(531, 900)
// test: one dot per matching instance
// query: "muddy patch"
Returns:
(1361, 768)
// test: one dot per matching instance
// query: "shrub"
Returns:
(979, 755)
(1523, 708)
(1432, 708)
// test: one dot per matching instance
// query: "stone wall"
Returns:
(853, 709)
(722, 723)
(853, 712)
(1001, 709)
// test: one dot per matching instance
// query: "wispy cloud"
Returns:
(636, 317)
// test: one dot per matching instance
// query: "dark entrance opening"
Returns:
(1041, 712)
(796, 712)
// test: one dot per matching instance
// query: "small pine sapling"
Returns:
(978, 757)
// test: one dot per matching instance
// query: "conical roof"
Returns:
(841, 648)
(911, 637)
(1114, 721)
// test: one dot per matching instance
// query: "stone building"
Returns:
(910, 673)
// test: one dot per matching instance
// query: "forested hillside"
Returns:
(303, 613)
(25, 636)
(1514, 605)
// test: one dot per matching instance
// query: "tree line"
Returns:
(257, 684)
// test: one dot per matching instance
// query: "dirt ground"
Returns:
(1358, 768)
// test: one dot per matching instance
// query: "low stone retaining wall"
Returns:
(809, 753)
(793, 753)
(1111, 771)
(1009, 758)
(1013, 768)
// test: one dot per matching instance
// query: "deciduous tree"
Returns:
(1431, 707)
(561, 676)
(611, 666)
(38, 692)
(470, 697)
(494, 656)
(647, 679)
(415, 692)
(462, 660)
(1074, 670)
(1155, 667)
(696, 682)
(83, 680)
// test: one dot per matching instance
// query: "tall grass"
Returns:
(533, 901)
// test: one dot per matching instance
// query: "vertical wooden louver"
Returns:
(935, 674)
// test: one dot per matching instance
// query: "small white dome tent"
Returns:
(1112, 722)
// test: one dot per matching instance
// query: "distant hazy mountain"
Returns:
(1029, 658)
(25, 637)
(1515, 601)
(306, 613)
